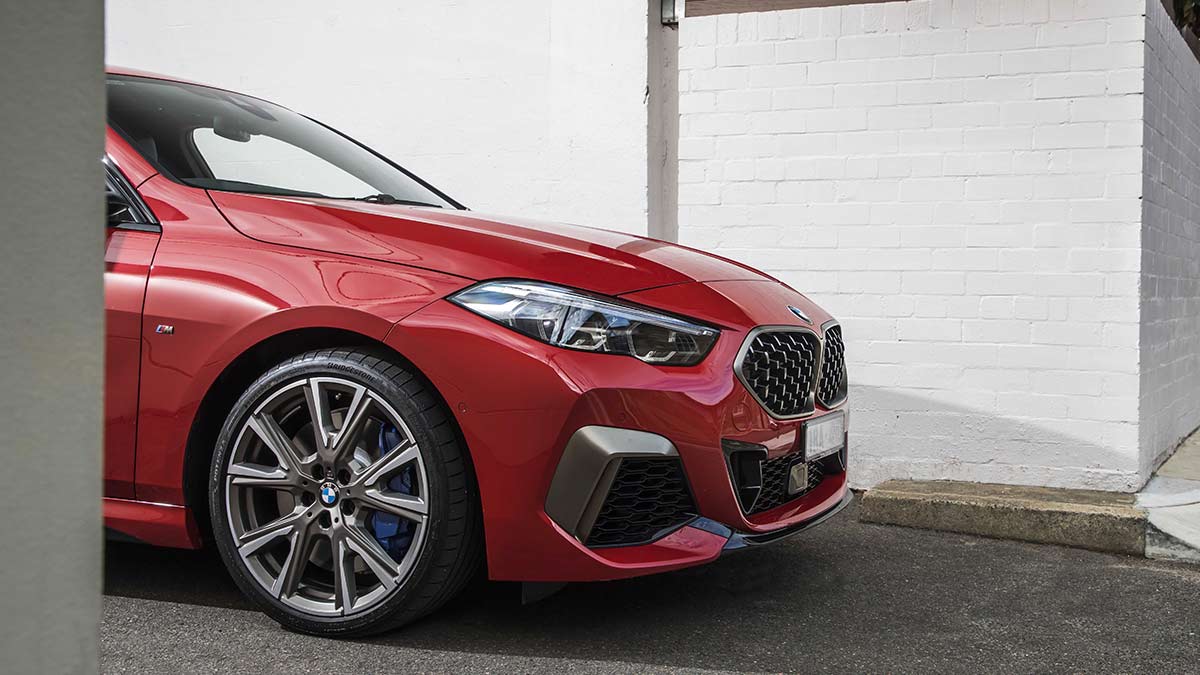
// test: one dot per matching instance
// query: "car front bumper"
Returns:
(520, 403)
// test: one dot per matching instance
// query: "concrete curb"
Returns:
(1100, 521)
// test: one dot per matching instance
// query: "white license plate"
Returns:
(824, 436)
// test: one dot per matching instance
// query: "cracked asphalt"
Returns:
(845, 596)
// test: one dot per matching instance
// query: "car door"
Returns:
(131, 238)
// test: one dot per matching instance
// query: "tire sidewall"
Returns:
(437, 490)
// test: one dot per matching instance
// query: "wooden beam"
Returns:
(1189, 36)
(711, 7)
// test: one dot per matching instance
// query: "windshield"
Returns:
(218, 140)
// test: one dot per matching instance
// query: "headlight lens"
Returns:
(567, 318)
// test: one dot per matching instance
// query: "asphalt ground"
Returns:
(843, 597)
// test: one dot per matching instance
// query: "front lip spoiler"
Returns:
(737, 541)
(532, 592)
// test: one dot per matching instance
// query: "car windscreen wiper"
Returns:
(384, 198)
(224, 185)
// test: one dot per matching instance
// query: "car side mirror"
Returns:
(119, 209)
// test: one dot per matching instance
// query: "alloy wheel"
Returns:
(326, 496)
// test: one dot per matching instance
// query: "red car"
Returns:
(361, 391)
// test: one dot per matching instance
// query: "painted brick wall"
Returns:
(959, 181)
(524, 107)
(1170, 334)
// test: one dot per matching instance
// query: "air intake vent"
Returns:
(649, 497)
(779, 368)
(832, 388)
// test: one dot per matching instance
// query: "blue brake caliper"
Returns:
(393, 533)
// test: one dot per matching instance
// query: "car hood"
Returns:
(475, 246)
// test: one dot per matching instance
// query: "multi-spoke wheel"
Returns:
(341, 497)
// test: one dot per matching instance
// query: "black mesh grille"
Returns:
(779, 368)
(832, 387)
(647, 497)
(775, 482)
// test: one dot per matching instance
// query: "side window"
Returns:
(117, 205)
(125, 209)
(264, 160)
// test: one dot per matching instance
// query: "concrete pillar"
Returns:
(51, 354)
(662, 126)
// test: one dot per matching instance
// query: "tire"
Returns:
(371, 528)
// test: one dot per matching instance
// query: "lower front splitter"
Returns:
(737, 541)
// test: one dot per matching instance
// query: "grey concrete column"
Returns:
(662, 126)
(51, 330)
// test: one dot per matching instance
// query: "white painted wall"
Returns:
(959, 181)
(1170, 332)
(527, 107)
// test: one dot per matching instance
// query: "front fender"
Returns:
(222, 293)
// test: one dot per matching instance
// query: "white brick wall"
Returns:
(959, 181)
(523, 107)
(1170, 334)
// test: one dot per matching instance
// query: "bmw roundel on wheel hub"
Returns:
(329, 494)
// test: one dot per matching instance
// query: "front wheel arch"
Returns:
(243, 370)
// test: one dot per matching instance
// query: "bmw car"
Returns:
(364, 394)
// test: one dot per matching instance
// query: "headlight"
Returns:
(576, 320)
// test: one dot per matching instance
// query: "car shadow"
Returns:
(729, 614)
(169, 575)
